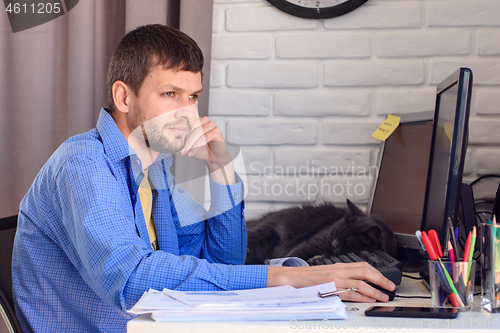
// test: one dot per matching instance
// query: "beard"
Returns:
(157, 138)
(156, 135)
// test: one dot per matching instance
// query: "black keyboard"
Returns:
(389, 266)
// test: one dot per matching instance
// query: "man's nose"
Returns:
(188, 112)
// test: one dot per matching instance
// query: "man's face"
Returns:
(165, 109)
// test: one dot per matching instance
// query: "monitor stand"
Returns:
(411, 260)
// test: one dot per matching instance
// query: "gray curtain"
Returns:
(53, 78)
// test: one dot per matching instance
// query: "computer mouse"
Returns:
(391, 294)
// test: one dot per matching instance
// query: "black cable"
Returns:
(483, 177)
(482, 214)
(412, 277)
(480, 201)
(401, 296)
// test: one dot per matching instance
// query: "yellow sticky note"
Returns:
(448, 129)
(388, 126)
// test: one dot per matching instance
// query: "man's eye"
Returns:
(194, 97)
(169, 94)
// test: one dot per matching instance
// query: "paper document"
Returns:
(249, 298)
(278, 303)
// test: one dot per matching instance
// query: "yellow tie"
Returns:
(146, 197)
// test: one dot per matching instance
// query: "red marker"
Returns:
(431, 251)
(453, 299)
(435, 239)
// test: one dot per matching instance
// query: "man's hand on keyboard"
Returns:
(345, 276)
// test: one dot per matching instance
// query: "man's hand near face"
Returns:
(206, 143)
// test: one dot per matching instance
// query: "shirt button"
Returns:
(133, 196)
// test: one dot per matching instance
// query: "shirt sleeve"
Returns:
(99, 236)
(221, 235)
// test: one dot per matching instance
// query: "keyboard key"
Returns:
(384, 255)
(354, 257)
(383, 262)
(344, 258)
(375, 261)
(328, 261)
(335, 259)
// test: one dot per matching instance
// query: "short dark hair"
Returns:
(149, 46)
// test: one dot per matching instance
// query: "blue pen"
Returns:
(456, 232)
(442, 296)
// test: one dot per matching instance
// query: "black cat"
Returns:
(323, 229)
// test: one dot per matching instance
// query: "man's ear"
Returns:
(121, 96)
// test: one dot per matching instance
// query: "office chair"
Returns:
(8, 319)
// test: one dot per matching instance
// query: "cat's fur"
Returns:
(323, 229)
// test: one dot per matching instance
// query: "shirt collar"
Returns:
(115, 145)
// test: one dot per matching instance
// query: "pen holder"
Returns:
(490, 268)
(452, 283)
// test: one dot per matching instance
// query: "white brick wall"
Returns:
(299, 162)
(399, 101)
(272, 132)
(484, 42)
(390, 15)
(264, 19)
(339, 46)
(301, 97)
(463, 13)
(373, 73)
(272, 75)
(418, 44)
(487, 101)
(243, 47)
(323, 104)
(239, 104)
(353, 132)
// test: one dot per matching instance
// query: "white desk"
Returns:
(468, 321)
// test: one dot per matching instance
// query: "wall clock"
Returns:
(317, 9)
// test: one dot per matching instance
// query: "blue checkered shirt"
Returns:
(82, 254)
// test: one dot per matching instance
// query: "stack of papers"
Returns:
(277, 303)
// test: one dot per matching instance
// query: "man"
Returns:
(105, 220)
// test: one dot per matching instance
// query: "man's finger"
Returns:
(195, 136)
(362, 271)
(364, 292)
(199, 140)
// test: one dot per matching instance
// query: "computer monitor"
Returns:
(420, 165)
(449, 144)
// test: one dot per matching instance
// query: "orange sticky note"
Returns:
(387, 128)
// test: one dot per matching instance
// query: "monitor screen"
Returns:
(399, 188)
(449, 144)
